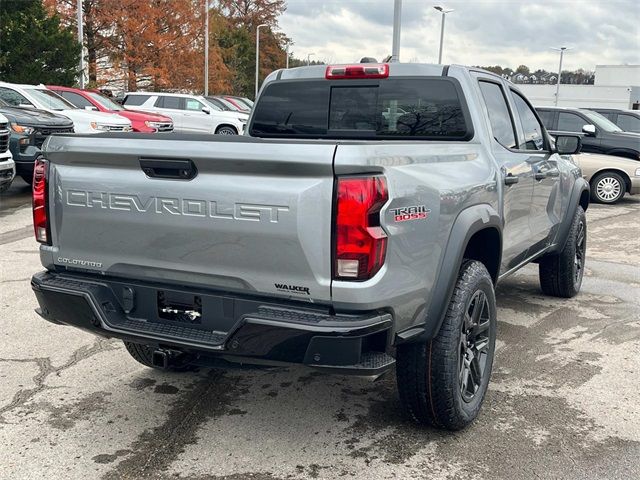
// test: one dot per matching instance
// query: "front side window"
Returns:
(193, 105)
(386, 109)
(532, 138)
(570, 122)
(499, 115)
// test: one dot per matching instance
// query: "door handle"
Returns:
(540, 175)
(511, 179)
(168, 168)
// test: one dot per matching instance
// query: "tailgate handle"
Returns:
(168, 168)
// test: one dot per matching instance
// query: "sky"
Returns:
(477, 32)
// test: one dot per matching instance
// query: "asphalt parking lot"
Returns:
(563, 402)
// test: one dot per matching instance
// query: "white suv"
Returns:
(7, 165)
(190, 113)
(84, 121)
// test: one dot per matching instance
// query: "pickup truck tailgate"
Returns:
(255, 217)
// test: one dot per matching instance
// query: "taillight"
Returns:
(363, 70)
(39, 201)
(360, 243)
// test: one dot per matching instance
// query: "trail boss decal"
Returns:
(292, 288)
(416, 212)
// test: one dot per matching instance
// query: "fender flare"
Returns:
(579, 187)
(468, 222)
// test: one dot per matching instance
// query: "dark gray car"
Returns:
(362, 224)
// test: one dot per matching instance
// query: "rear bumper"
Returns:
(231, 326)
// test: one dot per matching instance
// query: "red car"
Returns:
(93, 100)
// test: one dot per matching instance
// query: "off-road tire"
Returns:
(561, 273)
(611, 180)
(142, 354)
(429, 373)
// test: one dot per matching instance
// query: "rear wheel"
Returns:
(607, 187)
(226, 130)
(443, 382)
(144, 355)
(561, 273)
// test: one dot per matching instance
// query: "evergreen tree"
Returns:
(34, 47)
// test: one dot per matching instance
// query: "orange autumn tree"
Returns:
(152, 44)
(160, 45)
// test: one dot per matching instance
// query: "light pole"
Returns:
(561, 50)
(258, 55)
(397, 24)
(206, 47)
(81, 41)
(444, 11)
(286, 51)
(309, 58)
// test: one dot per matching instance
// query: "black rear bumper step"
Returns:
(247, 328)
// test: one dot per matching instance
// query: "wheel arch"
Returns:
(579, 196)
(622, 173)
(230, 125)
(472, 227)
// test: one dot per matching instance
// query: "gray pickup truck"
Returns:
(361, 224)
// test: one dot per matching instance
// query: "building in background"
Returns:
(615, 86)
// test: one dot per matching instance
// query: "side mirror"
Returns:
(568, 144)
(590, 130)
(25, 105)
(206, 110)
(91, 108)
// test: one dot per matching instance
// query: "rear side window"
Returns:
(388, 109)
(499, 115)
(135, 99)
(628, 123)
(169, 102)
(570, 122)
(547, 117)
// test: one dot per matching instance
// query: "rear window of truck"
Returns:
(429, 108)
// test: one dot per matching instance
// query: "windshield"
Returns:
(50, 100)
(212, 105)
(601, 122)
(105, 102)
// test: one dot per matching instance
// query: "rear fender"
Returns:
(467, 223)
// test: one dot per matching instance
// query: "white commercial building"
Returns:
(615, 86)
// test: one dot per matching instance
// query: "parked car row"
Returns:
(30, 113)
(610, 154)
(190, 113)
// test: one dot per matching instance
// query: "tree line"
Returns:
(523, 74)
